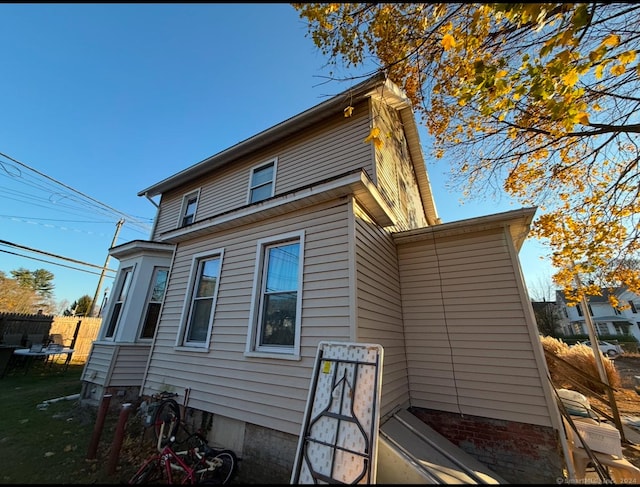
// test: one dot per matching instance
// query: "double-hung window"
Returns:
(633, 307)
(121, 295)
(189, 207)
(154, 301)
(261, 185)
(275, 322)
(205, 276)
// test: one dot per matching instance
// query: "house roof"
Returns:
(603, 298)
(376, 86)
(603, 319)
(517, 221)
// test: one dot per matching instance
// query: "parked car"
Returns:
(609, 349)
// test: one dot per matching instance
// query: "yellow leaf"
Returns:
(377, 143)
(448, 42)
(618, 70)
(348, 111)
(571, 78)
(583, 118)
(375, 132)
(627, 57)
(599, 69)
(611, 40)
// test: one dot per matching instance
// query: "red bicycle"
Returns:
(197, 464)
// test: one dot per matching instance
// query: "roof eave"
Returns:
(269, 136)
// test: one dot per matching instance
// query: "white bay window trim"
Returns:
(117, 309)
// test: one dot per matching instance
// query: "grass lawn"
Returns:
(50, 444)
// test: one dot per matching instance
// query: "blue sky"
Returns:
(100, 101)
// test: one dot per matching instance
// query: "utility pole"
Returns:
(105, 267)
(593, 337)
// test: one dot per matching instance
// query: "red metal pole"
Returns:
(117, 438)
(97, 429)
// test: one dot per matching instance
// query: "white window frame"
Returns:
(271, 183)
(185, 206)
(253, 347)
(124, 284)
(194, 277)
(149, 301)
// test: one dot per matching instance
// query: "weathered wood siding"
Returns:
(395, 177)
(270, 392)
(469, 347)
(379, 307)
(334, 146)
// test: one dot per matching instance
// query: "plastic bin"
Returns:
(601, 437)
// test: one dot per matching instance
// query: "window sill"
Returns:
(273, 355)
(183, 348)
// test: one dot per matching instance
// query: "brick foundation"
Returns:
(518, 452)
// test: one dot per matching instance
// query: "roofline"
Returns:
(308, 117)
(518, 221)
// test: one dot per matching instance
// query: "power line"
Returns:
(102, 205)
(49, 262)
(11, 244)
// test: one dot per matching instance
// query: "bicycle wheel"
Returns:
(226, 465)
(149, 473)
(168, 412)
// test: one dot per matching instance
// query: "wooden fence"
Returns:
(84, 330)
(87, 332)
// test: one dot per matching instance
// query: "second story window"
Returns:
(262, 182)
(634, 309)
(121, 296)
(189, 206)
(581, 312)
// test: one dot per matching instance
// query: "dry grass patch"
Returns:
(581, 357)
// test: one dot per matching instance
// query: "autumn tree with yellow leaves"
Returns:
(539, 100)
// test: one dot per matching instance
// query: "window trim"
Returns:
(196, 259)
(185, 206)
(125, 277)
(252, 348)
(251, 187)
(148, 301)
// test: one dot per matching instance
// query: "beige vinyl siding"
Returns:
(269, 392)
(334, 146)
(130, 364)
(116, 364)
(97, 368)
(395, 177)
(469, 346)
(378, 305)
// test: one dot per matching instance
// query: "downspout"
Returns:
(155, 220)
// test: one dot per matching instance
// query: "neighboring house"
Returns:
(606, 319)
(306, 233)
